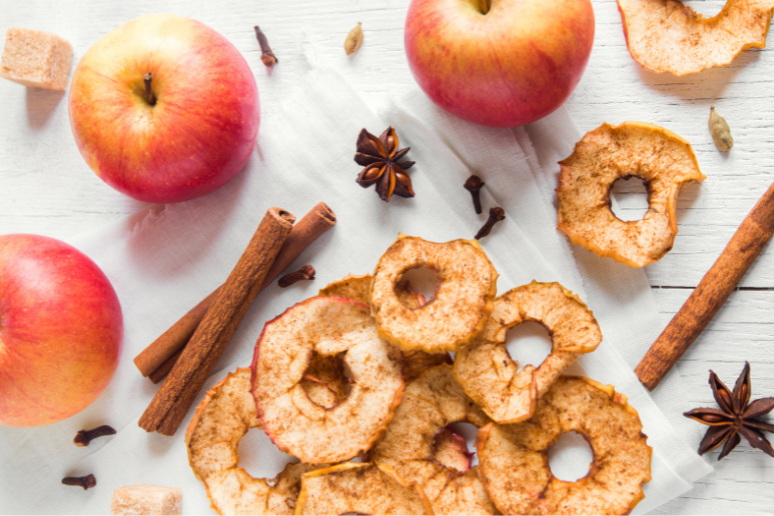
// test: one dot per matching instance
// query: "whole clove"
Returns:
(306, 272)
(85, 482)
(84, 437)
(474, 185)
(267, 56)
(495, 215)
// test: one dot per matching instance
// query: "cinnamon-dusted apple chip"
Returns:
(664, 161)
(514, 458)
(668, 36)
(431, 402)
(357, 288)
(489, 375)
(462, 303)
(352, 488)
(451, 450)
(295, 423)
(225, 415)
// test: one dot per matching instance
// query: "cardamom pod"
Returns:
(354, 39)
(720, 131)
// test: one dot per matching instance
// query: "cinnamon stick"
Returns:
(713, 290)
(163, 370)
(154, 361)
(174, 398)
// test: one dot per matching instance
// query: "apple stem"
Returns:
(149, 96)
(484, 6)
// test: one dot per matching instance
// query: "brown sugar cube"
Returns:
(145, 499)
(36, 59)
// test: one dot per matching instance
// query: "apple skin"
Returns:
(198, 135)
(61, 330)
(509, 67)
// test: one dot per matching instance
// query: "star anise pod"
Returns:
(736, 416)
(380, 158)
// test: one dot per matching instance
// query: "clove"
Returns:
(84, 437)
(304, 273)
(474, 185)
(495, 215)
(267, 56)
(85, 482)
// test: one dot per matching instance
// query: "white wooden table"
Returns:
(46, 187)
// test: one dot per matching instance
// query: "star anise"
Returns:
(736, 416)
(380, 158)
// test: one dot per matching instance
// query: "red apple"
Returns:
(60, 330)
(191, 135)
(500, 63)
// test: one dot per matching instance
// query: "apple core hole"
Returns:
(570, 457)
(528, 343)
(260, 457)
(326, 380)
(708, 9)
(421, 281)
(632, 196)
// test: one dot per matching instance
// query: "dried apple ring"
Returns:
(489, 375)
(356, 488)
(297, 425)
(431, 402)
(668, 36)
(225, 415)
(664, 161)
(462, 303)
(357, 288)
(514, 458)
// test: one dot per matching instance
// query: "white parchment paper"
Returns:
(164, 259)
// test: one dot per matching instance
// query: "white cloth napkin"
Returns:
(164, 259)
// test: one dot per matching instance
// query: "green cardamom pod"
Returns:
(720, 131)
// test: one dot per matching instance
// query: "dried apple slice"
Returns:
(663, 160)
(668, 36)
(224, 416)
(489, 375)
(352, 488)
(327, 326)
(451, 450)
(513, 459)
(431, 402)
(462, 303)
(357, 288)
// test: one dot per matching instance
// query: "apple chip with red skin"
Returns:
(224, 416)
(663, 160)
(451, 450)
(668, 36)
(513, 459)
(352, 488)
(489, 375)
(295, 423)
(357, 289)
(431, 402)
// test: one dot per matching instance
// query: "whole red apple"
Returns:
(500, 63)
(185, 134)
(60, 330)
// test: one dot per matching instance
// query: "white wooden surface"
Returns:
(46, 188)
